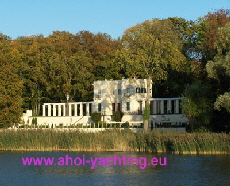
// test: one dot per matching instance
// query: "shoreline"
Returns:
(117, 150)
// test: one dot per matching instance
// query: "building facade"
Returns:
(126, 95)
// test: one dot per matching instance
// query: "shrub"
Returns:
(96, 117)
(117, 116)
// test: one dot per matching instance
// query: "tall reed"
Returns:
(114, 140)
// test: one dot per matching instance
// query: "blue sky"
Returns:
(32, 17)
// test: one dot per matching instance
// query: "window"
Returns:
(128, 90)
(118, 106)
(99, 107)
(143, 90)
(138, 90)
(99, 93)
(119, 91)
(127, 106)
(113, 107)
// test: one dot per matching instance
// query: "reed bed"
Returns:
(114, 140)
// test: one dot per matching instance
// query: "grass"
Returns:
(114, 140)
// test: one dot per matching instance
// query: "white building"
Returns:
(126, 95)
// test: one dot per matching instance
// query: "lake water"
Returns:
(184, 170)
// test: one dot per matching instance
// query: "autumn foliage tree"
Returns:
(10, 84)
(207, 29)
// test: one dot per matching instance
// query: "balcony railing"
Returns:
(139, 112)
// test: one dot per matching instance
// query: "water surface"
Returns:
(186, 170)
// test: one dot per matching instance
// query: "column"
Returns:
(162, 106)
(87, 109)
(177, 106)
(154, 107)
(54, 110)
(169, 107)
(81, 109)
(43, 110)
(49, 110)
(75, 109)
(64, 110)
(59, 110)
(151, 107)
(154, 124)
(94, 107)
(143, 106)
(70, 109)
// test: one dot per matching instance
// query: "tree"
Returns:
(32, 70)
(197, 105)
(207, 29)
(223, 101)
(101, 49)
(219, 68)
(150, 50)
(10, 84)
(187, 33)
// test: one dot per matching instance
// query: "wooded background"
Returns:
(183, 58)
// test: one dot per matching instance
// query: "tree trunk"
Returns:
(191, 123)
(147, 106)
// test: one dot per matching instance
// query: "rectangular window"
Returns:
(118, 106)
(99, 93)
(119, 91)
(138, 90)
(99, 107)
(127, 106)
(143, 90)
(128, 90)
(113, 107)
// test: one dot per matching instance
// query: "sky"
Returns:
(33, 17)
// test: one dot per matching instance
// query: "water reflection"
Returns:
(203, 170)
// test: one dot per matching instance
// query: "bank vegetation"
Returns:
(114, 140)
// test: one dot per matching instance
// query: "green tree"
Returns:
(219, 69)
(187, 33)
(197, 105)
(31, 71)
(150, 50)
(223, 101)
